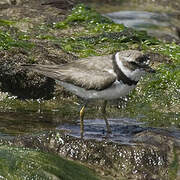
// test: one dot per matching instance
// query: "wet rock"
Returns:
(19, 83)
(25, 84)
(149, 156)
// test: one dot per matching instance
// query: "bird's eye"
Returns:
(142, 59)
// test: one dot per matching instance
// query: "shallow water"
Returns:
(16, 123)
(156, 24)
(124, 125)
(140, 19)
(123, 129)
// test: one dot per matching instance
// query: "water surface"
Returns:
(156, 24)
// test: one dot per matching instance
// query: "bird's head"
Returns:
(134, 64)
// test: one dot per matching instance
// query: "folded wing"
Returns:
(90, 73)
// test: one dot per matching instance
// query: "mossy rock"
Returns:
(23, 163)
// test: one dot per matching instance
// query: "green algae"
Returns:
(99, 34)
(105, 43)
(84, 16)
(7, 41)
(161, 90)
(23, 163)
(10, 36)
(4, 22)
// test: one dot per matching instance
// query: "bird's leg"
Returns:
(82, 120)
(103, 110)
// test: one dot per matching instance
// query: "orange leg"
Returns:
(82, 121)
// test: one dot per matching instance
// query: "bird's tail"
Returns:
(46, 70)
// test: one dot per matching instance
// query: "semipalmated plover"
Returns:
(100, 77)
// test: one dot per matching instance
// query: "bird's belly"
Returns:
(115, 91)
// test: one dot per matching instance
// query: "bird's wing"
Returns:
(90, 73)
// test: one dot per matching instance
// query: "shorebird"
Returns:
(99, 77)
